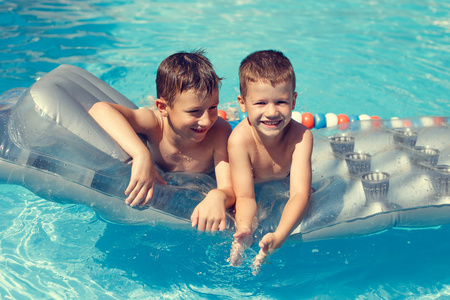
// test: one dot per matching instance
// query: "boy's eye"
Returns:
(213, 107)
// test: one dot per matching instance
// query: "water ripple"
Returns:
(389, 58)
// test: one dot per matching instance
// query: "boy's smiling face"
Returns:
(193, 114)
(269, 108)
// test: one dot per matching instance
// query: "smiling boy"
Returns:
(268, 145)
(184, 134)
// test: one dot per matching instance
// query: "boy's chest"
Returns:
(171, 158)
(268, 165)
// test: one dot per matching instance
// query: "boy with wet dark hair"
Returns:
(184, 134)
(268, 145)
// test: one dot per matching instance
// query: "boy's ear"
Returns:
(294, 99)
(242, 104)
(162, 106)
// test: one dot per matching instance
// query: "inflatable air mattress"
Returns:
(368, 176)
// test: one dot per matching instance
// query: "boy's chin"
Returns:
(270, 130)
(198, 136)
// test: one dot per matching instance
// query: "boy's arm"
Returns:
(221, 163)
(293, 212)
(300, 187)
(121, 124)
(243, 185)
(210, 214)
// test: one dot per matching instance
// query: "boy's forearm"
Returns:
(245, 212)
(293, 214)
(224, 195)
(229, 198)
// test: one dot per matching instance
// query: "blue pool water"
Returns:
(388, 58)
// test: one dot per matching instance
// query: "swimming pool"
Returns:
(380, 57)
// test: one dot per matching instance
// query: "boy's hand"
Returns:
(268, 245)
(242, 240)
(210, 214)
(142, 181)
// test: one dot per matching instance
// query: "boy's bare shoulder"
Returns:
(241, 134)
(298, 131)
(220, 129)
(147, 111)
(301, 138)
(147, 119)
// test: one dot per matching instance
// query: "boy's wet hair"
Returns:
(265, 66)
(184, 71)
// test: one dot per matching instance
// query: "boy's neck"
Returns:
(177, 140)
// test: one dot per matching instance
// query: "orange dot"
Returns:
(343, 119)
(439, 121)
(376, 121)
(407, 123)
(308, 120)
(222, 114)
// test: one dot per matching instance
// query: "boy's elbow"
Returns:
(230, 198)
(98, 107)
(100, 110)
(301, 197)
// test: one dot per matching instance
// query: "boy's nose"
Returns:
(271, 111)
(205, 119)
